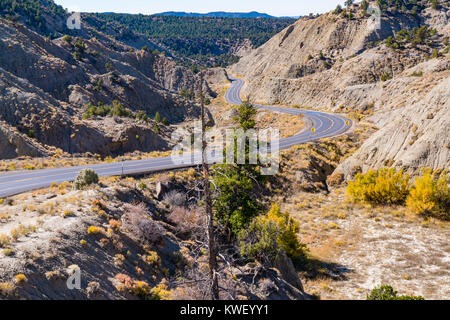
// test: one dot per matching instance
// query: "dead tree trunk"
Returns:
(212, 251)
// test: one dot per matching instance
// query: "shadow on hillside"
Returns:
(311, 268)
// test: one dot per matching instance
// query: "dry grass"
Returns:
(356, 248)
(288, 124)
(65, 160)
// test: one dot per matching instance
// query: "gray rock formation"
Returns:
(333, 62)
(13, 144)
(410, 138)
(44, 88)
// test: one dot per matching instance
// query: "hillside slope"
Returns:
(342, 64)
(206, 41)
(47, 87)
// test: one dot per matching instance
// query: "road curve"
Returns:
(12, 183)
(325, 124)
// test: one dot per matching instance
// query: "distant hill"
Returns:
(205, 40)
(218, 14)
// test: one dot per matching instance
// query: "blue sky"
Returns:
(273, 7)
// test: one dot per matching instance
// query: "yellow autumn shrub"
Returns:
(382, 187)
(92, 230)
(270, 234)
(160, 292)
(430, 194)
(20, 279)
(289, 228)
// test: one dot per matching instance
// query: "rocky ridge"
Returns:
(345, 66)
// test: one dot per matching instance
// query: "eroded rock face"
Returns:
(331, 62)
(410, 138)
(293, 66)
(44, 88)
(13, 145)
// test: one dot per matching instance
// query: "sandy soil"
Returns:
(359, 248)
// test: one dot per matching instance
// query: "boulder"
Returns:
(287, 270)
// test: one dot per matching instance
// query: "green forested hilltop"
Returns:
(31, 10)
(206, 40)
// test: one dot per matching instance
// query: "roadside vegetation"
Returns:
(60, 159)
(85, 178)
(429, 195)
(241, 214)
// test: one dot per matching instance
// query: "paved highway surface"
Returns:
(325, 125)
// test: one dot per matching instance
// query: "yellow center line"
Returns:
(332, 125)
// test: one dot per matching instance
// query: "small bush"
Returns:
(382, 187)
(115, 225)
(4, 240)
(259, 241)
(156, 129)
(67, 39)
(7, 289)
(109, 66)
(435, 54)
(139, 224)
(85, 178)
(21, 231)
(430, 195)
(435, 4)
(268, 235)
(157, 117)
(8, 252)
(385, 77)
(142, 186)
(93, 230)
(187, 94)
(160, 292)
(67, 213)
(142, 115)
(388, 293)
(152, 258)
(77, 56)
(20, 279)
(118, 110)
(190, 223)
(98, 84)
(141, 289)
(338, 9)
(175, 198)
(289, 228)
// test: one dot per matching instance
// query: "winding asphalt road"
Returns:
(325, 125)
